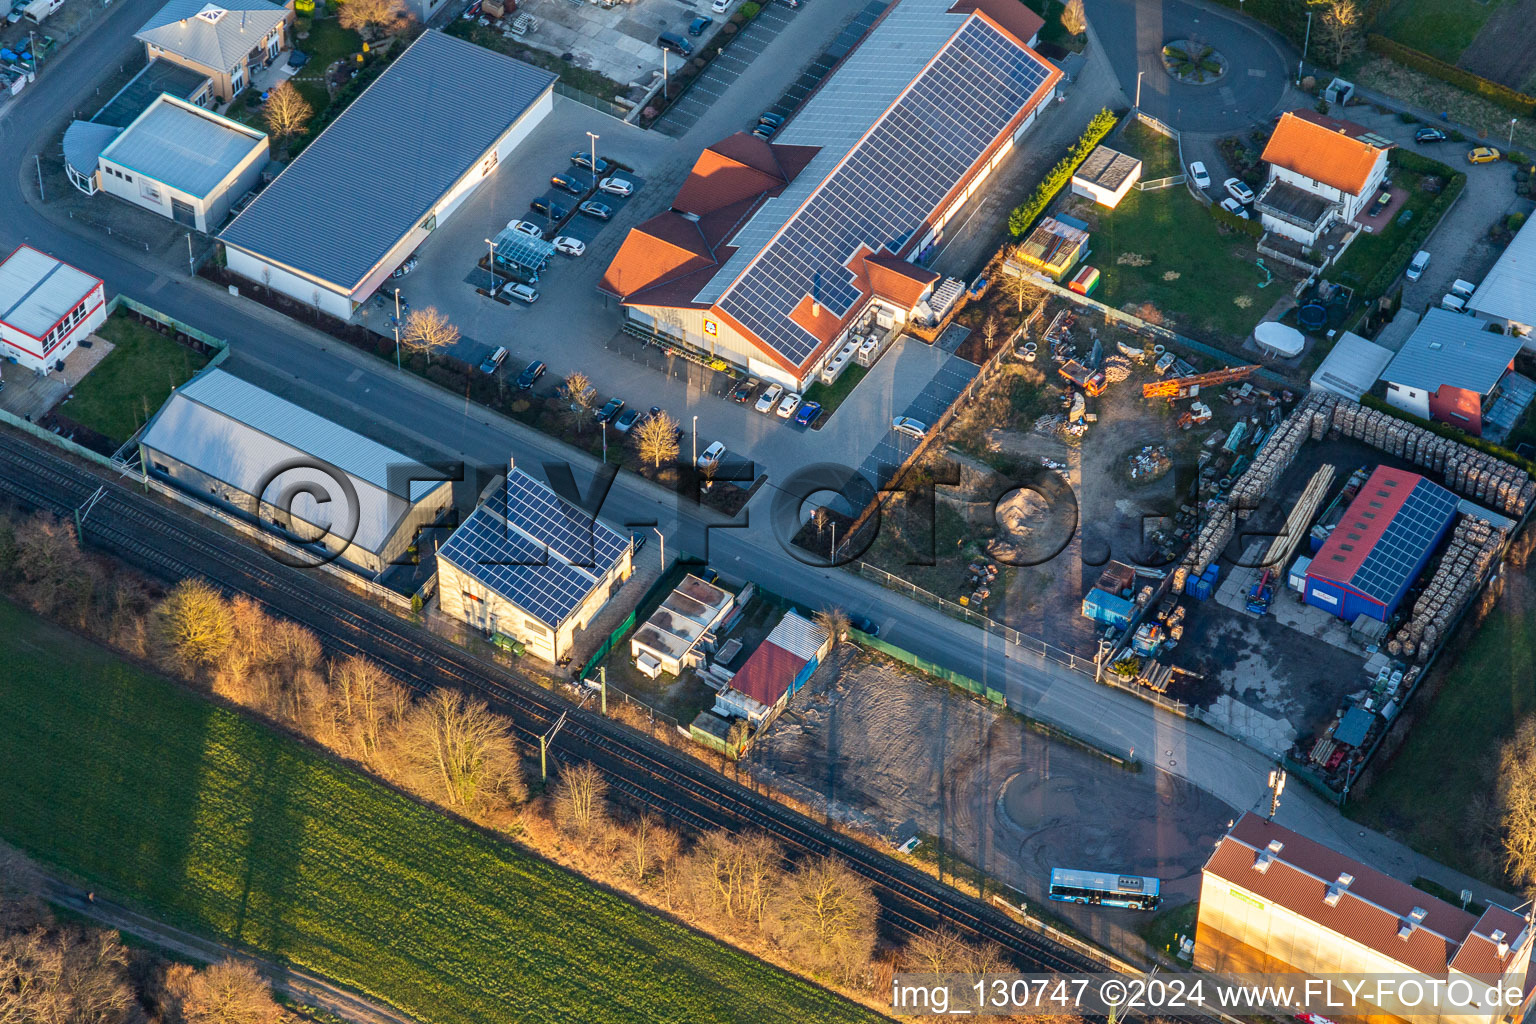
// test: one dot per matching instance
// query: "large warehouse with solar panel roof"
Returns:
(773, 250)
(529, 565)
(1380, 546)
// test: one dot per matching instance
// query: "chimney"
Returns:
(1337, 889)
(1408, 924)
(1502, 941)
(1267, 856)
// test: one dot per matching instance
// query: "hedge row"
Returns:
(1232, 220)
(1023, 215)
(1394, 264)
(1453, 433)
(1510, 99)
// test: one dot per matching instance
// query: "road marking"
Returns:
(1257, 73)
(354, 376)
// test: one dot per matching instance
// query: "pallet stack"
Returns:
(1475, 543)
(1279, 451)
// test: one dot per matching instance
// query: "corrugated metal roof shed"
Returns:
(237, 433)
(184, 146)
(1351, 367)
(1509, 290)
(768, 673)
(799, 636)
(215, 35)
(375, 172)
(1454, 349)
(36, 290)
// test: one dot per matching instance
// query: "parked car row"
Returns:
(775, 399)
(578, 190)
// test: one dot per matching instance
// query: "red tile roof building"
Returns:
(1273, 901)
(772, 250)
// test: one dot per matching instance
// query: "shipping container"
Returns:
(1109, 609)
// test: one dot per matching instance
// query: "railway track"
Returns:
(174, 546)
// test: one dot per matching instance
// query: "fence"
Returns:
(1160, 127)
(1160, 183)
(595, 102)
(184, 331)
(608, 644)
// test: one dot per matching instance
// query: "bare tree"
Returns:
(368, 16)
(459, 752)
(826, 915)
(580, 799)
(287, 111)
(367, 703)
(196, 624)
(56, 579)
(21, 892)
(646, 844)
(733, 877)
(657, 439)
(1021, 289)
(1073, 19)
(833, 621)
(1517, 803)
(229, 992)
(583, 396)
(63, 976)
(1342, 27)
(427, 329)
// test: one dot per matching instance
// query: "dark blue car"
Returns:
(808, 413)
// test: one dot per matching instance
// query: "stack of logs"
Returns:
(1474, 545)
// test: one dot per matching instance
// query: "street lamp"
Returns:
(1512, 132)
(1138, 89)
(695, 441)
(397, 328)
(593, 137)
(605, 442)
(1305, 42)
(661, 537)
(490, 263)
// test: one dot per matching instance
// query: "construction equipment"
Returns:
(1176, 388)
(1261, 593)
(1089, 380)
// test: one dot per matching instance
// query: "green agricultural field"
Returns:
(1440, 28)
(128, 386)
(1422, 795)
(222, 826)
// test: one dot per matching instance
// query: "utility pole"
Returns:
(544, 742)
(39, 158)
(397, 328)
(605, 442)
(1306, 42)
(664, 75)
(191, 264)
(1276, 787)
(602, 679)
(663, 539)
(85, 510)
(695, 441)
(593, 137)
(490, 264)
(1138, 90)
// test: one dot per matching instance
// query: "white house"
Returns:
(1321, 171)
(46, 307)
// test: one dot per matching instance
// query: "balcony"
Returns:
(1298, 207)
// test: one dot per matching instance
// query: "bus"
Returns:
(1103, 889)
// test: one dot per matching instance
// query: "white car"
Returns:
(710, 457)
(1238, 190)
(570, 246)
(524, 227)
(720, 6)
(617, 186)
(1234, 207)
(1197, 172)
(1418, 265)
(789, 405)
(768, 399)
(909, 426)
(524, 293)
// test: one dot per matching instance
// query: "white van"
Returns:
(38, 10)
(1454, 303)
(1463, 288)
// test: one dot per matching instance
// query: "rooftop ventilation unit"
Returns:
(1267, 856)
(1336, 890)
(1502, 941)
(1411, 922)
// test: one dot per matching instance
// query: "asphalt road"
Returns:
(745, 549)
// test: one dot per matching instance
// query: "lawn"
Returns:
(125, 389)
(1367, 253)
(1440, 28)
(1203, 281)
(832, 395)
(1159, 154)
(1422, 796)
(220, 825)
(326, 43)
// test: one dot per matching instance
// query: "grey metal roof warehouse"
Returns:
(1509, 290)
(1454, 349)
(377, 170)
(1352, 366)
(183, 146)
(214, 34)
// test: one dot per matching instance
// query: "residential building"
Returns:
(227, 40)
(253, 453)
(1449, 369)
(84, 140)
(529, 565)
(379, 179)
(772, 251)
(183, 162)
(774, 672)
(1352, 367)
(46, 307)
(681, 630)
(1273, 901)
(1380, 545)
(1322, 172)
(1507, 295)
(1106, 176)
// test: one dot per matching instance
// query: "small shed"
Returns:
(1354, 727)
(1351, 367)
(1053, 247)
(1278, 339)
(1106, 176)
(1297, 580)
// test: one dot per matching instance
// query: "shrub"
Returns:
(1517, 157)
(1023, 215)
(749, 10)
(1232, 220)
(1407, 118)
(1503, 95)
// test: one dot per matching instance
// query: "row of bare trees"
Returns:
(53, 973)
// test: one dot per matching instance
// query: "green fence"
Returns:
(608, 644)
(923, 664)
(217, 344)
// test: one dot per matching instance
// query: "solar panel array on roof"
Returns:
(1402, 546)
(891, 181)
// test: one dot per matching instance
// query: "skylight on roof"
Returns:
(212, 13)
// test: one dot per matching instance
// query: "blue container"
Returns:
(1200, 590)
(1109, 609)
(1212, 573)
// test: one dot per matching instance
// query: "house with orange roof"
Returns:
(1274, 902)
(1322, 172)
(775, 253)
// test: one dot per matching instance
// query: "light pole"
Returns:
(1305, 42)
(593, 137)
(605, 442)
(1512, 132)
(695, 441)
(491, 263)
(1138, 89)
(664, 75)
(191, 264)
(397, 328)
(661, 537)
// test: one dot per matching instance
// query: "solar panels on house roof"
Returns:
(1397, 554)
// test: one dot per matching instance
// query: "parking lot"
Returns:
(725, 69)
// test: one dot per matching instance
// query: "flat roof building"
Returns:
(772, 250)
(1380, 545)
(405, 154)
(1448, 368)
(46, 307)
(530, 565)
(241, 447)
(183, 162)
(773, 673)
(1106, 176)
(672, 637)
(1351, 367)
(1507, 295)
(1274, 901)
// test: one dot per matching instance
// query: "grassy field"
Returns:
(831, 395)
(224, 827)
(1213, 290)
(133, 381)
(326, 43)
(1159, 154)
(1422, 798)
(1440, 28)
(1367, 253)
